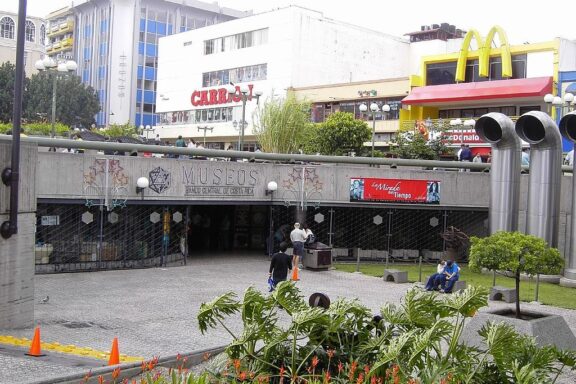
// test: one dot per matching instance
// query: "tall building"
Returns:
(271, 53)
(115, 43)
(35, 36)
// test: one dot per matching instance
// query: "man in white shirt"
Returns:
(297, 237)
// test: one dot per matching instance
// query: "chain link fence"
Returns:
(73, 237)
(76, 237)
(374, 234)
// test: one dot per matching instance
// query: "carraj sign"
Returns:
(218, 96)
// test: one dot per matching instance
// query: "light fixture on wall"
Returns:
(271, 188)
(141, 184)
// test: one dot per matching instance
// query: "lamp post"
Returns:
(567, 101)
(270, 189)
(205, 128)
(244, 93)
(146, 129)
(51, 66)
(373, 109)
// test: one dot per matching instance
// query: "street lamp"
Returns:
(205, 128)
(51, 66)
(373, 109)
(458, 123)
(146, 129)
(560, 102)
(244, 93)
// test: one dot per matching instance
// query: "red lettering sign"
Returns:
(395, 190)
(455, 137)
(218, 96)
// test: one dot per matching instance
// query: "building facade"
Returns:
(35, 37)
(115, 43)
(475, 78)
(272, 53)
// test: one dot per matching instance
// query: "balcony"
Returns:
(61, 28)
(61, 46)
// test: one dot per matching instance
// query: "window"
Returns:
(7, 28)
(441, 73)
(42, 34)
(238, 41)
(30, 31)
(235, 75)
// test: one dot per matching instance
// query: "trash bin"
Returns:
(318, 256)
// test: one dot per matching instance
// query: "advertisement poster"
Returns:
(395, 190)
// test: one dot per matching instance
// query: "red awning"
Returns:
(485, 90)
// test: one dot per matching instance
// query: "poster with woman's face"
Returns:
(433, 192)
(356, 189)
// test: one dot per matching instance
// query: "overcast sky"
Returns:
(523, 21)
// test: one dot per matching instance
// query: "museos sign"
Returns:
(395, 190)
(218, 96)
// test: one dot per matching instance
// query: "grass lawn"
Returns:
(549, 294)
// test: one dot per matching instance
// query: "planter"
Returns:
(545, 328)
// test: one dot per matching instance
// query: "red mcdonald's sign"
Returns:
(395, 190)
(217, 96)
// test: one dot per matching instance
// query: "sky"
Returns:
(523, 21)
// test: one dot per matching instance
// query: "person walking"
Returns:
(279, 265)
(297, 237)
(180, 143)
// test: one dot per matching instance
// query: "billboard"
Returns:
(395, 190)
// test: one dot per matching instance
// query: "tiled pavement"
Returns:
(153, 311)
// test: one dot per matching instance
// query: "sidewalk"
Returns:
(153, 311)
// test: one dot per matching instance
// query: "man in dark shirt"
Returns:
(280, 264)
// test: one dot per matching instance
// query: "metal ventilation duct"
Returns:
(543, 208)
(498, 130)
(568, 130)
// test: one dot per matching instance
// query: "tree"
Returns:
(282, 124)
(76, 103)
(516, 252)
(414, 145)
(341, 134)
(7, 78)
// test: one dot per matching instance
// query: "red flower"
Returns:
(327, 377)
(366, 369)
(340, 366)
(100, 379)
(116, 373)
(314, 361)
(242, 376)
(360, 379)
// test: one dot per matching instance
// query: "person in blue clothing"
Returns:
(430, 285)
(449, 277)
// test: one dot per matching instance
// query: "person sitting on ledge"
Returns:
(439, 271)
(449, 277)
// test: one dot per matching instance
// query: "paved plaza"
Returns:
(153, 311)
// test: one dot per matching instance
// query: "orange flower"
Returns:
(330, 353)
(352, 370)
(116, 373)
(178, 357)
(360, 379)
(100, 379)
(236, 363)
(315, 361)
(327, 377)
(242, 376)
(143, 366)
(282, 370)
(366, 369)
(88, 375)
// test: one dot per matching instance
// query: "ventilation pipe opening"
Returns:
(568, 126)
(488, 129)
(530, 128)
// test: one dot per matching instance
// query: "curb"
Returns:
(129, 370)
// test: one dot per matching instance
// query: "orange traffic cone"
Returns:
(35, 346)
(114, 354)
(295, 273)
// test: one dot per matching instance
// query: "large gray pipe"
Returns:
(543, 208)
(498, 130)
(568, 130)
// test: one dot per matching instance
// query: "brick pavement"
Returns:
(153, 311)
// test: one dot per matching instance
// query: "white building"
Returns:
(270, 52)
(35, 37)
(115, 43)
